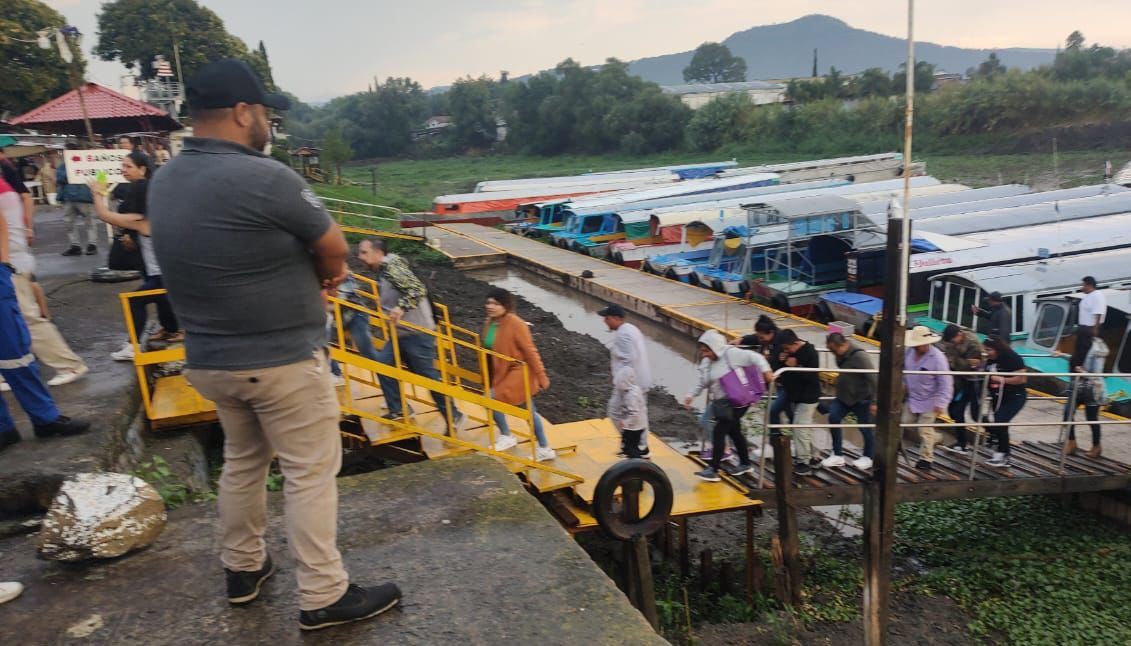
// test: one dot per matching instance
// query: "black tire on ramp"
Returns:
(617, 475)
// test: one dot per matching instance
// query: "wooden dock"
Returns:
(1035, 471)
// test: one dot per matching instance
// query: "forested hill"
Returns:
(786, 51)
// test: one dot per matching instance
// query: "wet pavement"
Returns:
(478, 559)
(90, 318)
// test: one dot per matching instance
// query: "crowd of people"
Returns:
(249, 271)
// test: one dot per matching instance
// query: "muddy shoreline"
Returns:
(578, 364)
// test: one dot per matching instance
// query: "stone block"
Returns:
(101, 515)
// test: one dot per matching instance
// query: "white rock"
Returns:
(101, 515)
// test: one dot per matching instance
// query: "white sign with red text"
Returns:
(84, 165)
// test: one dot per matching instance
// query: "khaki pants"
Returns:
(290, 411)
(46, 343)
(928, 436)
(803, 435)
(80, 211)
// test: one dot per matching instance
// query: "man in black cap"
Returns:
(997, 320)
(246, 248)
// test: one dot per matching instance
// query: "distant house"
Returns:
(696, 95)
(438, 122)
(943, 79)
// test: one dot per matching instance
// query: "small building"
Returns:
(438, 122)
(696, 95)
(944, 79)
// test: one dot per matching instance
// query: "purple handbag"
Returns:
(743, 386)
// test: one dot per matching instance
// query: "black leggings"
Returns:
(729, 428)
(967, 397)
(1011, 404)
(1092, 414)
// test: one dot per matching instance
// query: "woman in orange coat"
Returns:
(510, 336)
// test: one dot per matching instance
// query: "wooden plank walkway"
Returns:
(586, 448)
(465, 252)
(1035, 471)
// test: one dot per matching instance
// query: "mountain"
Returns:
(786, 50)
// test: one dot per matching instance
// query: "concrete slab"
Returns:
(479, 562)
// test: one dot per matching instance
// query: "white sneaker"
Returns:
(505, 442)
(833, 461)
(338, 380)
(863, 463)
(544, 454)
(64, 377)
(4, 387)
(10, 590)
(125, 354)
(999, 460)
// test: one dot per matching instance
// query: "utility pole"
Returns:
(879, 491)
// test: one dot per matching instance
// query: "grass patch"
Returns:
(410, 185)
(1029, 570)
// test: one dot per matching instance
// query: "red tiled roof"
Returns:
(101, 103)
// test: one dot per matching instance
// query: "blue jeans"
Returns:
(504, 429)
(777, 407)
(418, 352)
(357, 325)
(15, 351)
(837, 412)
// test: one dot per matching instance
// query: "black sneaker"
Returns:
(923, 465)
(243, 587)
(961, 449)
(645, 454)
(740, 470)
(8, 438)
(91, 249)
(708, 474)
(62, 427)
(73, 250)
(802, 468)
(356, 604)
(815, 463)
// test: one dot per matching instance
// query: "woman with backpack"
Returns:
(1088, 356)
(720, 362)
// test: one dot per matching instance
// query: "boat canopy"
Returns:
(1027, 216)
(1046, 275)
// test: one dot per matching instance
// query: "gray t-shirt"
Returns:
(232, 230)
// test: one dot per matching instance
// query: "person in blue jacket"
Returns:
(79, 205)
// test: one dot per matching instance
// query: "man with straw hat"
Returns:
(927, 396)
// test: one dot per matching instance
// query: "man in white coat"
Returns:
(629, 350)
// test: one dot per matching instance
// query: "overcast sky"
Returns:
(320, 49)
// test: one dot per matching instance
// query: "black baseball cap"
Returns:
(612, 309)
(995, 297)
(222, 84)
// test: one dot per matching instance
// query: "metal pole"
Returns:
(879, 491)
(177, 58)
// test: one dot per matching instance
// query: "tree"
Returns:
(873, 81)
(473, 112)
(924, 78)
(335, 152)
(989, 68)
(1074, 42)
(134, 31)
(713, 63)
(719, 122)
(31, 76)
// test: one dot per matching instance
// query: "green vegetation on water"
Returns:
(1029, 570)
